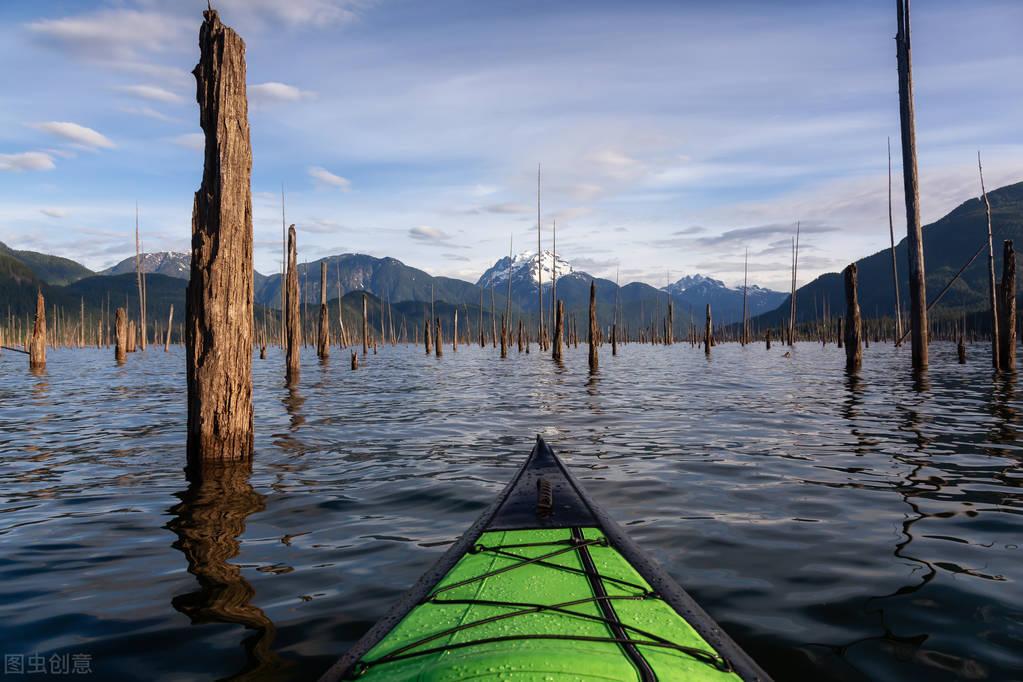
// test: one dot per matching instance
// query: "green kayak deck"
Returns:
(569, 599)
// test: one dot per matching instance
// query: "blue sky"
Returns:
(672, 135)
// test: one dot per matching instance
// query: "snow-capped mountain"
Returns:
(526, 267)
(696, 291)
(693, 282)
(170, 263)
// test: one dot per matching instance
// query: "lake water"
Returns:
(838, 528)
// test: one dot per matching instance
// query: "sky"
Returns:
(671, 136)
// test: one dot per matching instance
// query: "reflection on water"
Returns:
(840, 526)
(208, 522)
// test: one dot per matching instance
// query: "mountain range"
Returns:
(947, 244)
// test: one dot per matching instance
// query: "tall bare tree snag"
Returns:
(37, 347)
(140, 278)
(792, 299)
(218, 307)
(365, 323)
(1007, 309)
(914, 232)
(853, 322)
(170, 327)
(293, 319)
(323, 340)
(593, 326)
(996, 354)
(120, 335)
(895, 266)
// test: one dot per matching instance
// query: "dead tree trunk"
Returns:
(559, 324)
(454, 333)
(293, 336)
(593, 327)
(915, 241)
(170, 327)
(708, 338)
(132, 336)
(895, 266)
(365, 323)
(428, 336)
(323, 341)
(120, 335)
(996, 353)
(37, 347)
(219, 304)
(853, 323)
(438, 338)
(504, 336)
(1007, 309)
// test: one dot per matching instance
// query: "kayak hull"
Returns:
(545, 586)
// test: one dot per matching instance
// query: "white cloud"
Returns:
(149, 112)
(26, 161)
(77, 134)
(276, 92)
(150, 92)
(54, 212)
(296, 12)
(196, 141)
(113, 34)
(324, 176)
(425, 233)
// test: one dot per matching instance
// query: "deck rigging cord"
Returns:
(580, 545)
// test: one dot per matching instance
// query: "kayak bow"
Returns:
(545, 586)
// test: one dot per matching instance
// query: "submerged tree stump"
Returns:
(120, 335)
(594, 360)
(132, 336)
(293, 317)
(427, 336)
(219, 299)
(438, 345)
(708, 335)
(1007, 309)
(323, 339)
(355, 360)
(504, 337)
(37, 347)
(853, 322)
(559, 331)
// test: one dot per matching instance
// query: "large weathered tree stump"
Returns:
(594, 361)
(438, 345)
(218, 309)
(853, 322)
(120, 335)
(1007, 309)
(292, 316)
(323, 339)
(427, 336)
(37, 346)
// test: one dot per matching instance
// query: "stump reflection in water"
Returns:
(208, 522)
